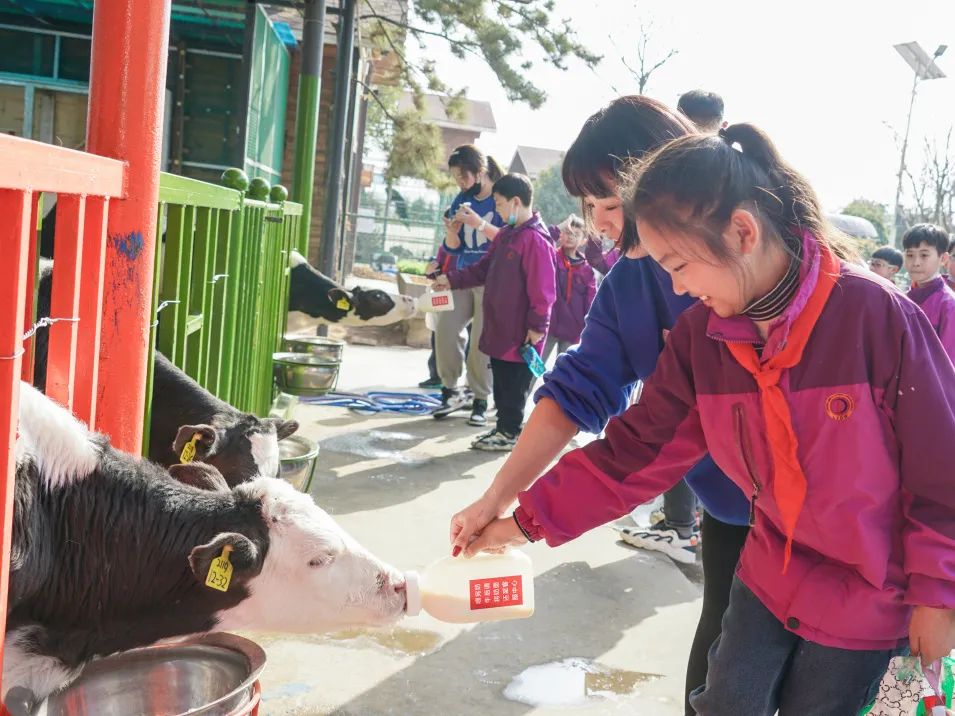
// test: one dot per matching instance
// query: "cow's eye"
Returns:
(322, 561)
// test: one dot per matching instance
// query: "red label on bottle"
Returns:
(439, 301)
(496, 592)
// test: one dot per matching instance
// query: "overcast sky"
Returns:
(821, 76)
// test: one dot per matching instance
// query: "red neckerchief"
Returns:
(789, 487)
(570, 269)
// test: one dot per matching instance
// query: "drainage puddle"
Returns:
(573, 682)
(410, 642)
(377, 444)
(414, 642)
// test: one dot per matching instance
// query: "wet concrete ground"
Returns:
(612, 626)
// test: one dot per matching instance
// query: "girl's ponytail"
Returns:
(494, 171)
(695, 183)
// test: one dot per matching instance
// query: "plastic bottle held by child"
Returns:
(487, 587)
(432, 301)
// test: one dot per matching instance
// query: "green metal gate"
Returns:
(221, 292)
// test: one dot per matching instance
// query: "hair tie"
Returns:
(733, 143)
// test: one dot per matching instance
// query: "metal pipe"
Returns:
(899, 219)
(243, 96)
(306, 116)
(343, 83)
(127, 88)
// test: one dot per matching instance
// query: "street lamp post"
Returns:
(925, 69)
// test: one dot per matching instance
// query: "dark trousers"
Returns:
(722, 544)
(757, 667)
(433, 362)
(512, 385)
(679, 506)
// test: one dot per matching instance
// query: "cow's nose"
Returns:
(389, 584)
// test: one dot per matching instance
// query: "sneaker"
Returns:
(495, 441)
(659, 538)
(478, 408)
(430, 383)
(451, 401)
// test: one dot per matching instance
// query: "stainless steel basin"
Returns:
(304, 374)
(212, 675)
(297, 458)
(328, 349)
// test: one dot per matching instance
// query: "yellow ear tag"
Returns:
(220, 571)
(188, 453)
(343, 304)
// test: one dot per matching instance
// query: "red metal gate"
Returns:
(104, 251)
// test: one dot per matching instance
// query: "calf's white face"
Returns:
(315, 577)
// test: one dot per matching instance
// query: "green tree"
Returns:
(551, 198)
(502, 34)
(875, 212)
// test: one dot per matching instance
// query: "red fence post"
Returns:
(127, 87)
(15, 230)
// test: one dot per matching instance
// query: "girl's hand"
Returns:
(932, 633)
(467, 524)
(432, 267)
(500, 533)
(441, 283)
(467, 216)
(533, 337)
(451, 225)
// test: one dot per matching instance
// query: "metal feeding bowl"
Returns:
(212, 675)
(304, 374)
(328, 349)
(297, 458)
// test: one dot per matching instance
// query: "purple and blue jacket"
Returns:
(873, 409)
(517, 273)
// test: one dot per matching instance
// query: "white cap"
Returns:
(413, 594)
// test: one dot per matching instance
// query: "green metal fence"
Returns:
(221, 291)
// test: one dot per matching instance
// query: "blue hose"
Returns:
(380, 402)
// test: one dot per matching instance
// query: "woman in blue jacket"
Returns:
(624, 334)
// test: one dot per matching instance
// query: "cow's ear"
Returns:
(283, 428)
(203, 438)
(201, 475)
(245, 557)
(340, 298)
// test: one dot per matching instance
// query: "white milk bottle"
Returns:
(486, 587)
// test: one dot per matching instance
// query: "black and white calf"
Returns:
(241, 446)
(315, 294)
(110, 552)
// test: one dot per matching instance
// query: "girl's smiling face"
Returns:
(726, 287)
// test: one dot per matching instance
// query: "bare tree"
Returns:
(645, 66)
(933, 190)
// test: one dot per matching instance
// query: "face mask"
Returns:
(472, 190)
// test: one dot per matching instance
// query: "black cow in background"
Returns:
(310, 292)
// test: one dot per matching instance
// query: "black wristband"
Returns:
(521, 527)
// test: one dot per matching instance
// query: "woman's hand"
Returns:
(468, 217)
(534, 337)
(467, 524)
(932, 633)
(441, 283)
(431, 268)
(499, 534)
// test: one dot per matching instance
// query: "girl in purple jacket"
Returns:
(823, 393)
(517, 273)
(575, 283)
